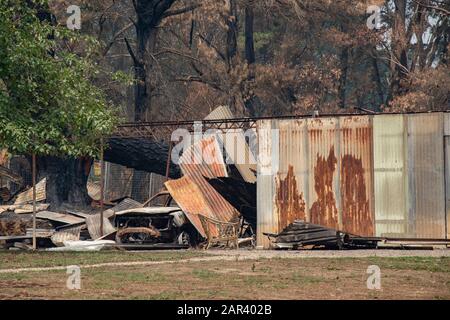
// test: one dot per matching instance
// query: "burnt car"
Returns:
(161, 223)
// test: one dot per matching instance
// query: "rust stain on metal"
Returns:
(151, 231)
(324, 211)
(356, 215)
(315, 134)
(290, 203)
(355, 178)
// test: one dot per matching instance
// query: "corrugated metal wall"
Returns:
(409, 176)
(323, 152)
(390, 176)
(426, 176)
(356, 175)
(367, 175)
(265, 186)
(292, 175)
(447, 170)
(318, 170)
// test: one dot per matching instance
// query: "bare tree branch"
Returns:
(437, 8)
(133, 56)
(213, 47)
(116, 36)
(176, 52)
(181, 10)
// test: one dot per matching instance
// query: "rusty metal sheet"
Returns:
(28, 208)
(94, 190)
(291, 180)
(196, 196)
(204, 158)
(356, 175)
(377, 175)
(268, 159)
(27, 196)
(324, 203)
(313, 169)
(426, 174)
(390, 176)
(59, 217)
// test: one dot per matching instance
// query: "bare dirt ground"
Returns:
(227, 275)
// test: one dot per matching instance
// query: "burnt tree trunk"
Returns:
(376, 77)
(146, 37)
(251, 101)
(343, 78)
(231, 47)
(249, 36)
(66, 180)
(399, 59)
(149, 14)
(143, 64)
(67, 177)
(141, 154)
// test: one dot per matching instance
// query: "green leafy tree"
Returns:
(48, 102)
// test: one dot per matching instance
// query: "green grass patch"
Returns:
(413, 263)
(204, 274)
(302, 279)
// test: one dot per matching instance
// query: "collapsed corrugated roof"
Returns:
(204, 158)
(196, 196)
(235, 145)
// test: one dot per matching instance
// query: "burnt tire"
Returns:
(188, 235)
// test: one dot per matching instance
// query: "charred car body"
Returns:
(163, 223)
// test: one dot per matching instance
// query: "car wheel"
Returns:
(184, 238)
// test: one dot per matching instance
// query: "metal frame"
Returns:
(165, 128)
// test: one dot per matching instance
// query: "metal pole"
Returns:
(102, 186)
(33, 160)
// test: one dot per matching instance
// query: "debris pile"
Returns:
(126, 223)
(212, 204)
(301, 234)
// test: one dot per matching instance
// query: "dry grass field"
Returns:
(198, 275)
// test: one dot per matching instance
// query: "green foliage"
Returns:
(261, 39)
(48, 104)
(123, 78)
